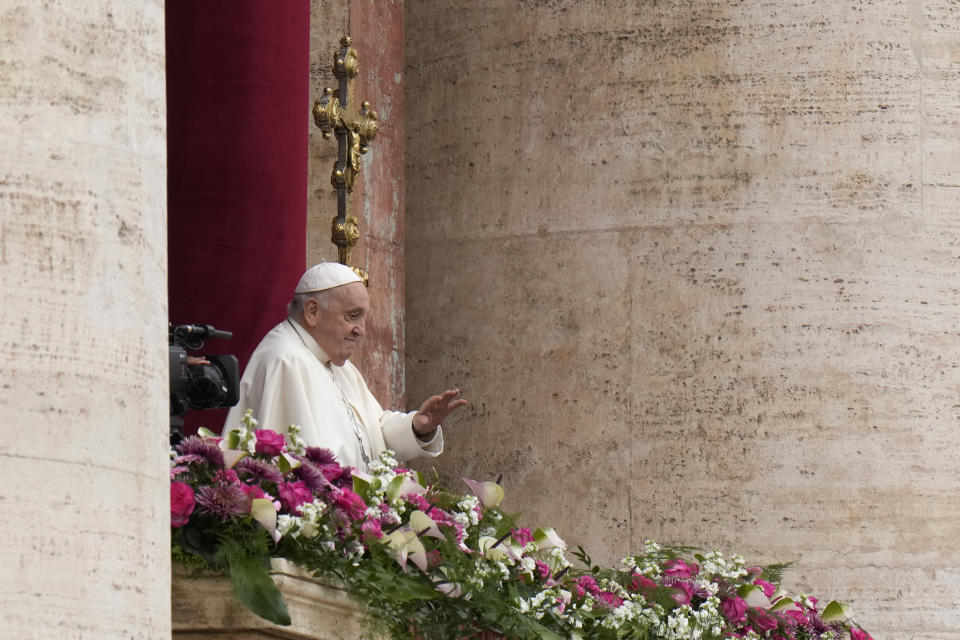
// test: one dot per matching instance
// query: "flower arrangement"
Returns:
(431, 563)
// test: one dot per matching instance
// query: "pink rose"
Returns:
(269, 442)
(764, 620)
(677, 568)
(859, 634)
(734, 609)
(182, 502)
(768, 589)
(351, 503)
(294, 494)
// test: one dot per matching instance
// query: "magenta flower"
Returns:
(269, 442)
(609, 599)
(682, 592)
(522, 536)
(585, 585)
(768, 589)
(677, 568)
(734, 609)
(182, 503)
(764, 620)
(351, 503)
(371, 530)
(859, 634)
(543, 570)
(642, 583)
(294, 494)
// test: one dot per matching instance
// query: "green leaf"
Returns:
(287, 463)
(256, 589)
(206, 434)
(836, 612)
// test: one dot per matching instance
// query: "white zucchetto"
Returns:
(326, 275)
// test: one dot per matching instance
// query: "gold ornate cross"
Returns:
(336, 114)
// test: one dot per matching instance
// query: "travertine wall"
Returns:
(83, 359)
(695, 265)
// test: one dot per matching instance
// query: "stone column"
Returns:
(83, 372)
(695, 265)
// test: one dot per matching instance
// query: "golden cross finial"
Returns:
(336, 113)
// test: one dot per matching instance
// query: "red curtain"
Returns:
(237, 117)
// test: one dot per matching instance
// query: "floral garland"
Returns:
(430, 563)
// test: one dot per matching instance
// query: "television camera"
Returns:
(199, 382)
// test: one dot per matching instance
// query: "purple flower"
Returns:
(254, 470)
(294, 494)
(269, 442)
(320, 456)
(182, 502)
(226, 498)
(311, 475)
(195, 449)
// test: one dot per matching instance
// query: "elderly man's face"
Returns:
(339, 327)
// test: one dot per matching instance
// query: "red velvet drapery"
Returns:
(238, 115)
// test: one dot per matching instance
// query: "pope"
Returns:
(300, 374)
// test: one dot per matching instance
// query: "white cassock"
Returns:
(290, 380)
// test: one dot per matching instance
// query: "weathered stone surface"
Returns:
(693, 263)
(378, 196)
(206, 607)
(83, 362)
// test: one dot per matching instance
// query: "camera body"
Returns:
(199, 385)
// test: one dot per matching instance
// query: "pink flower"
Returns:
(677, 568)
(609, 599)
(768, 589)
(182, 503)
(859, 634)
(734, 609)
(543, 570)
(585, 585)
(522, 536)
(682, 592)
(763, 619)
(254, 491)
(269, 442)
(294, 494)
(642, 583)
(351, 503)
(371, 530)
